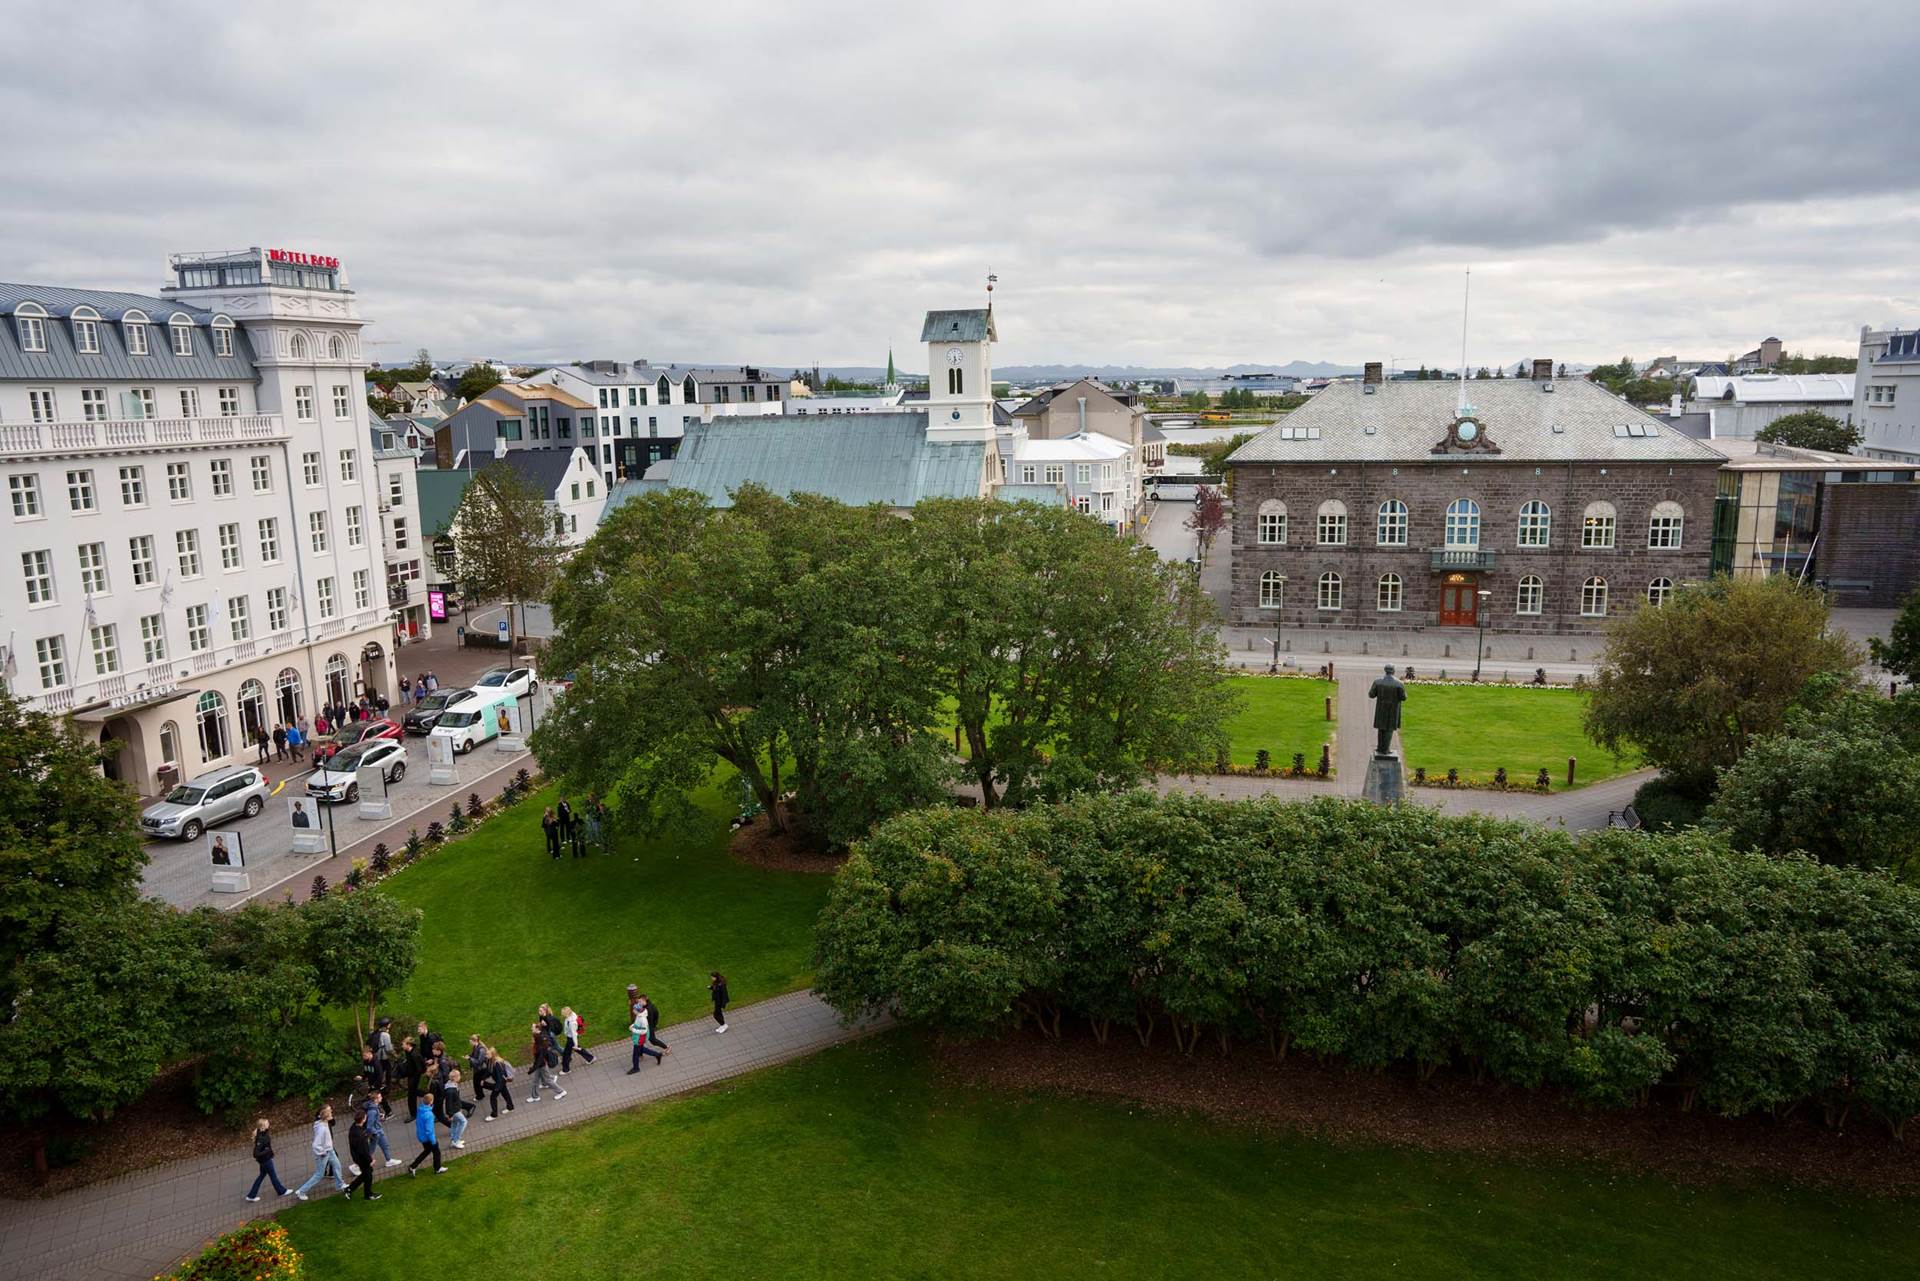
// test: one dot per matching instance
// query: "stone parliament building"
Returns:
(1536, 505)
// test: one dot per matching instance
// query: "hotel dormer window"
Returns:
(30, 320)
(297, 346)
(135, 325)
(336, 348)
(180, 331)
(222, 336)
(86, 331)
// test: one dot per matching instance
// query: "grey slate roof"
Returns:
(1403, 421)
(61, 361)
(542, 468)
(854, 458)
(959, 326)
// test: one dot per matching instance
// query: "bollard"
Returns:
(1330, 675)
(1529, 653)
(1329, 707)
(1570, 771)
(1446, 651)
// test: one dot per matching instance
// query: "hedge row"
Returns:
(1606, 965)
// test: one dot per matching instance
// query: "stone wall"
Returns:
(1869, 534)
(1500, 488)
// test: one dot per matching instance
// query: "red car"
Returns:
(346, 736)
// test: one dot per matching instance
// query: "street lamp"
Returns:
(1279, 602)
(1480, 646)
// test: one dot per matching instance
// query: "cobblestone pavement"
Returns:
(136, 1225)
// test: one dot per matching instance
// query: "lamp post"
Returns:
(1279, 601)
(1480, 645)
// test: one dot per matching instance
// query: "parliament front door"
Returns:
(1458, 601)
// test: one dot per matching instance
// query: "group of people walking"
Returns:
(412, 687)
(287, 740)
(432, 1082)
(575, 830)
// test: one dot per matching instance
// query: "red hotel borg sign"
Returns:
(301, 260)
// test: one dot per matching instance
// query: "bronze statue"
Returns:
(1387, 695)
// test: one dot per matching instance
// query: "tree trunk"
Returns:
(41, 1172)
(1100, 1029)
(1144, 1032)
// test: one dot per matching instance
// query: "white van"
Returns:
(473, 722)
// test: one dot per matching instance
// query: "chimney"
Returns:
(1083, 415)
(1372, 376)
(1542, 369)
(1673, 406)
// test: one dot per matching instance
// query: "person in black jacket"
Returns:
(263, 1157)
(360, 1152)
(718, 990)
(413, 1064)
(452, 1109)
(499, 1084)
(653, 1022)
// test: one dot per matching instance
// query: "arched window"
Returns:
(134, 325)
(1664, 527)
(253, 709)
(1532, 595)
(1270, 584)
(1329, 597)
(1273, 522)
(1390, 529)
(86, 331)
(222, 336)
(1593, 598)
(1536, 524)
(956, 382)
(337, 689)
(169, 743)
(336, 347)
(286, 696)
(180, 334)
(297, 347)
(1596, 530)
(1463, 523)
(1332, 531)
(1391, 597)
(210, 718)
(665, 389)
(689, 390)
(1658, 590)
(30, 322)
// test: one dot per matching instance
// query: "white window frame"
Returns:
(1462, 531)
(261, 467)
(1390, 524)
(33, 332)
(180, 482)
(355, 527)
(1530, 596)
(310, 469)
(317, 537)
(23, 487)
(189, 402)
(1391, 596)
(349, 465)
(93, 569)
(199, 630)
(1599, 527)
(186, 550)
(1666, 527)
(140, 555)
(1593, 598)
(227, 536)
(105, 643)
(239, 618)
(303, 404)
(153, 638)
(222, 339)
(1659, 591)
(50, 652)
(1330, 527)
(269, 529)
(220, 477)
(182, 338)
(342, 401)
(1271, 527)
(136, 331)
(1536, 524)
(1272, 590)
(36, 569)
(229, 402)
(276, 610)
(42, 406)
(94, 406)
(1328, 592)
(362, 589)
(81, 497)
(86, 336)
(133, 486)
(323, 593)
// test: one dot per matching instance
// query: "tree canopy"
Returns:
(1810, 429)
(1899, 653)
(505, 545)
(477, 382)
(1692, 682)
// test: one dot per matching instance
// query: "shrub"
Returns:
(456, 818)
(1500, 777)
(522, 780)
(319, 888)
(257, 1252)
(1543, 780)
(1299, 764)
(475, 806)
(1665, 806)
(413, 844)
(1453, 777)
(382, 860)
(1222, 762)
(435, 833)
(1262, 759)
(355, 874)
(1608, 964)
(1419, 774)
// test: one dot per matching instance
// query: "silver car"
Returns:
(197, 804)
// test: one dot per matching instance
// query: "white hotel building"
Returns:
(193, 530)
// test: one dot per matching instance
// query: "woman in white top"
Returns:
(570, 1034)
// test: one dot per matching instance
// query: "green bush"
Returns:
(1607, 965)
(1664, 806)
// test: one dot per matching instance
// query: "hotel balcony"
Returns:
(1461, 558)
(136, 435)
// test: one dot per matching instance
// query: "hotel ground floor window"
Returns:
(337, 680)
(210, 718)
(286, 696)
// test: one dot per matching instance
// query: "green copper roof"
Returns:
(854, 458)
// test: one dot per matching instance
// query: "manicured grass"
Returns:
(855, 1164)
(1478, 729)
(506, 928)
(1282, 714)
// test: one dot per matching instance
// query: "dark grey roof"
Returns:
(735, 375)
(1001, 418)
(1149, 433)
(544, 469)
(855, 458)
(1694, 426)
(61, 361)
(959, 326)
(1403, 421)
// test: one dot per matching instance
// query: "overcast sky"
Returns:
(1169, 184)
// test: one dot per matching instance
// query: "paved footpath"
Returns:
(138, 1224)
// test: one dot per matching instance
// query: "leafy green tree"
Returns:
(1811, 429)
(1197, 400)
(1899, 653)
(1207, 519)
(1692, 682)
(505, 543)
(385, 406)
(477, 382)
(363, 945)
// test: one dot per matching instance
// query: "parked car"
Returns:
(336, 781)
(475, 723)
(421, 716)
(348, 735)
(199, 803)
(517, 681)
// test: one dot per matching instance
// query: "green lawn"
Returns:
(507, 928)
(1478, 729)
(854, 1164)
(1282, 714)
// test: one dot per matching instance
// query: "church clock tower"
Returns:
(959, 375)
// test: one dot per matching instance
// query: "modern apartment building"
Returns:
(194, 521)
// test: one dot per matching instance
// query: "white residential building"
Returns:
(1741, 404)
(1886, 395)
(1095, 473)
(402, 539)
(643, 409)
(193, 542)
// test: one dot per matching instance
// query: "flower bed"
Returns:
(258, 1252)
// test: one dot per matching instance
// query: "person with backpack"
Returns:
(424, 1131)
(638, 1031)
(718, 990)
(325, 1160)
(499, 1082)
(653, 1023)
(360, 1150)
(476, 1064)
(263, 1157)
(571, 1026)
(380, 1041)
(454, 1110)
(544, 1060)
(372, 1107)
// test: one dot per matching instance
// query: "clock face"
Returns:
(1469, 429)
(955, 356)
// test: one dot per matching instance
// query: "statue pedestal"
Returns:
(1385, 785)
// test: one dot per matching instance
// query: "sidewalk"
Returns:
(134, 1226)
